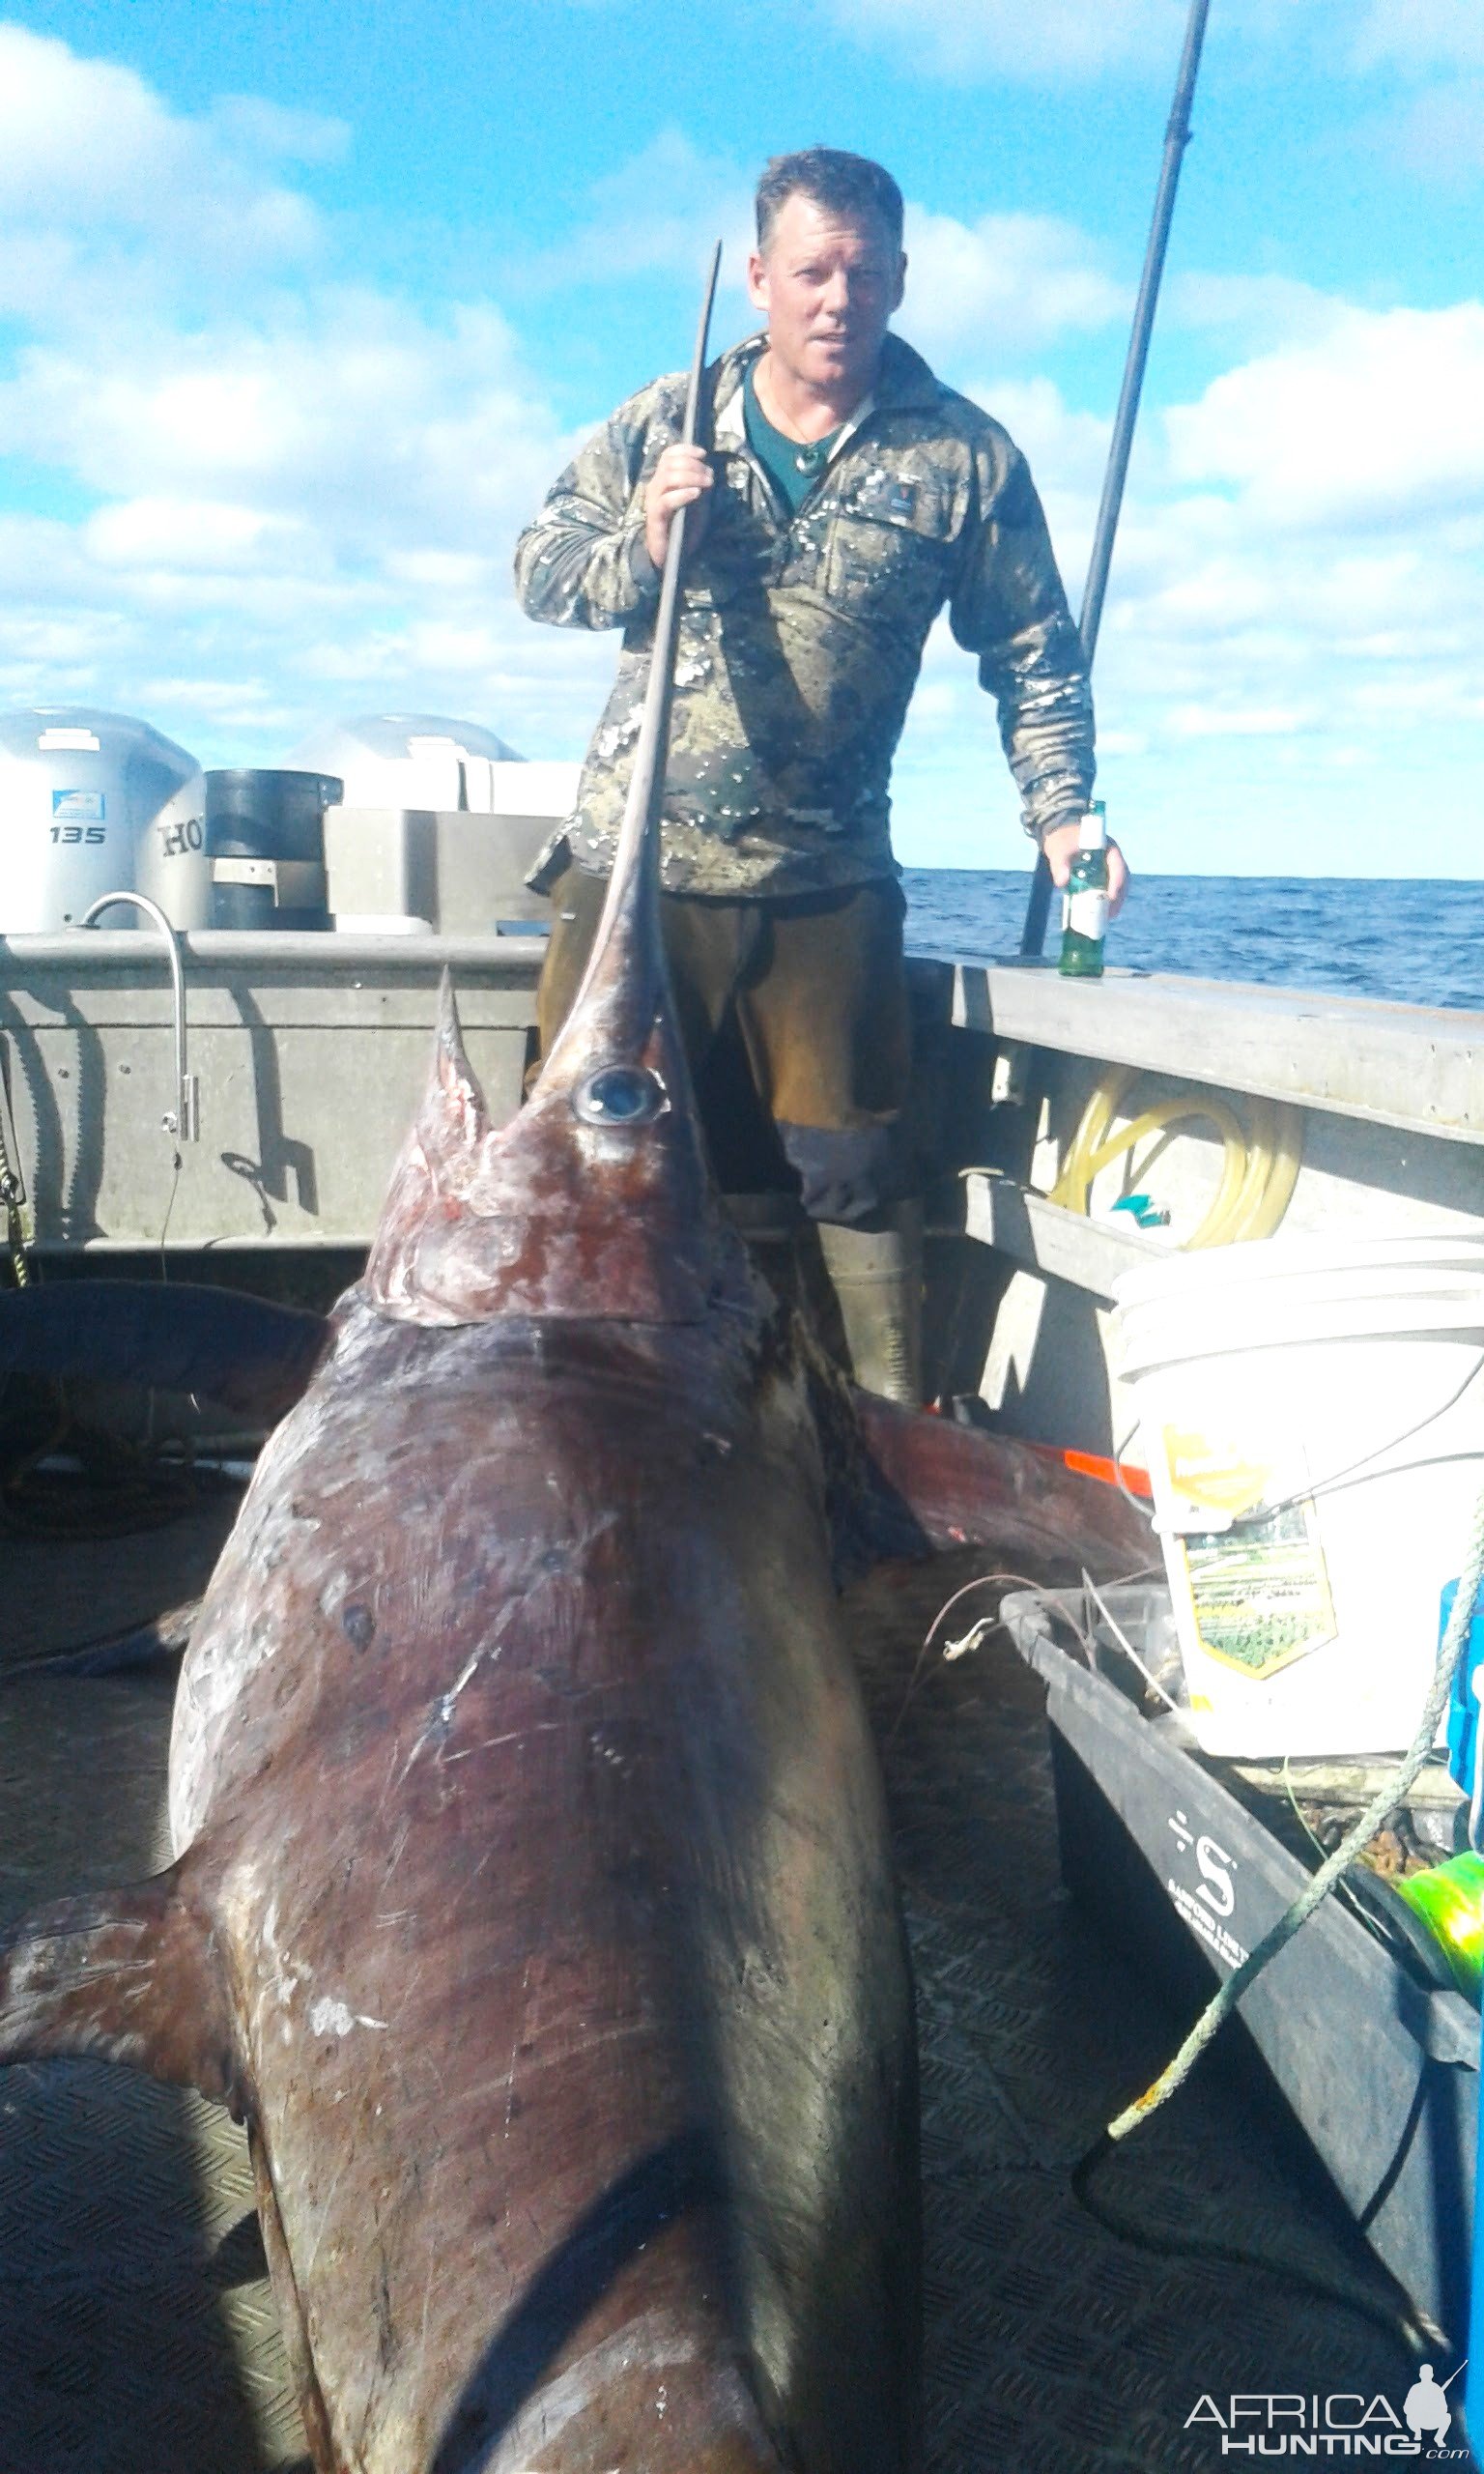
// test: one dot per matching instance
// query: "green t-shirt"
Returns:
(793, 468)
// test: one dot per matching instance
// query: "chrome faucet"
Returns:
(184, 1120)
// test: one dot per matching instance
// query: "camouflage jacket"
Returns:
(801, 638)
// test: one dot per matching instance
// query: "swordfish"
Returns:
(532, 1901)
(534, 1904)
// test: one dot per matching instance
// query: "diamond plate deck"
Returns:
(136, 2331)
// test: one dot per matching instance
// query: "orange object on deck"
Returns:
(1112, 1473)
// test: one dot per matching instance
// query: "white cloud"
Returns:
(88, 148)
(1295, 614)
(1373, 421)
(1097, 37)
(1323, 609)
(355, 404)
(318, 505)
(306, 493)
(278, 130)
(1237, 721)
(192, 534)
(1005, 285)
(303, 493)
(658, 214)
(1421, 35)
(1066, 450)
(298, 495)
(1249, 312)
(1006, 37)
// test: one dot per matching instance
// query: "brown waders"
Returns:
(816, 987)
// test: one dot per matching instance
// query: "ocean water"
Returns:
(1419, 942)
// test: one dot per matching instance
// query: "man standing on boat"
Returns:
(846, 497)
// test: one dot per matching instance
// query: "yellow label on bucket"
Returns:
(1212, 1474)
(1260, 1589)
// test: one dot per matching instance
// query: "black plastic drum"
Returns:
(265, 839)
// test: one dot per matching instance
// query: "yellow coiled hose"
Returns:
(1258, 1166)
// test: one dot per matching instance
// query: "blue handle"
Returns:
(1464, 1706)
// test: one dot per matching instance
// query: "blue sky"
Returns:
(301, 309)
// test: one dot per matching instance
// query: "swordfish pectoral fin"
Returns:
(928, 1484)
(132, 1976)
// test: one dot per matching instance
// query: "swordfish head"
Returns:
(597, 1201)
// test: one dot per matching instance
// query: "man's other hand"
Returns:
(680, 478)
(1060, 847)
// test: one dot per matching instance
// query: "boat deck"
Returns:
(137, 2334)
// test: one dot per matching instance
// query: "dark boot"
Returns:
(877, 1276)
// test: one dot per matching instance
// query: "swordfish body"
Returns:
(550, 1865)
(532, 1901)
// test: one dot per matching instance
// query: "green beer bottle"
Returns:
(1085, 903)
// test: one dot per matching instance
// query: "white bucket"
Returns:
(1312, 1416)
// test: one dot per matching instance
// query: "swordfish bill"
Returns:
(631, 913)
(532, 1902)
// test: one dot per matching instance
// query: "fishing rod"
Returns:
(1176, 138)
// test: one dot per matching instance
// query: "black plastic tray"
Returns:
(1380, 2068)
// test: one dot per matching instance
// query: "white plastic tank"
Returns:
(84, 796)
(419, 760)
(439, 826)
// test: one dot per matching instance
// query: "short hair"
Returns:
(848, 185)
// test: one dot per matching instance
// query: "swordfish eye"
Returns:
(621, 1095)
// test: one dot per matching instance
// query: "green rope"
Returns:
(1228, 1995)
